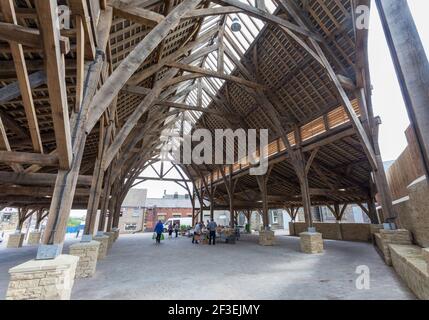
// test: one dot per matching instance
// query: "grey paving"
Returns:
(136, 268)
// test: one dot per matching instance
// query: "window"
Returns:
(177, 215)
(161, 216)
(189, 215)
(6, 217)
(130, 226)
(274, 217)
(136, 212)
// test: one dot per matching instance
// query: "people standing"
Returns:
(170, 230)
(176, 229)
(211, 226)
(159, 228)
(197, 231)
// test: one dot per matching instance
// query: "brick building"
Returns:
(169, 206)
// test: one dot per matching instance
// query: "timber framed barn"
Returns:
(89, 88)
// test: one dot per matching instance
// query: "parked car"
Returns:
(181, 221)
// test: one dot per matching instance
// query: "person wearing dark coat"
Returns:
(159, 228)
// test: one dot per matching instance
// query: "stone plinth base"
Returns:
(386, 237)
(266, 238)
(43, 279)
(15, 240)
(292, 228)
(425, 253)
(34, 238)
(87, 253)
(311, 242)
(409, 263)
(104, 244)
(116, 233)
(375, 228)
(111, 236)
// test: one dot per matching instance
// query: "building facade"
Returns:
(8, 219)
(169, 206)
(132, 214)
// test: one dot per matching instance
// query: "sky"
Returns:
(387, 98)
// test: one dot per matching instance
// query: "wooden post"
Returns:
(380, 178)
(337, 211)
(201, 205)
(211, 194)
(262, 183)
(263, 188)
(412, 68)
(372, 212)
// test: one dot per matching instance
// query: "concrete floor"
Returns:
(136, 268)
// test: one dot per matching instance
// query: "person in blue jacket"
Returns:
(159, 228)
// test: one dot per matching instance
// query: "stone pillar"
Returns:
(104, 244)
(111, 236)
(15, 240)
(266, 238)
(386, 237)
(425, 252)
(43, 279)
(34, 238)
(311, 242)
(375, 228)
(87, 253)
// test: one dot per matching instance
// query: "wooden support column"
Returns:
(66, 180)
(109, 201)
(23, 215)
(381, 179)
(372, 212)
(41, 214)
(301, 170)
(211, 195)
(412, 68)
(262, 183)
(65, 185)
(230, 188)
(249, 217)
(49, 30)
(201, 205)
(99, 172)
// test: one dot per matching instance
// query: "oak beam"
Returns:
(47, 14)
(37, 179)
(132, 62)
(29, 158)
(214, 74)
(138, 15)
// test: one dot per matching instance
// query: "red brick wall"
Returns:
(153, 215)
